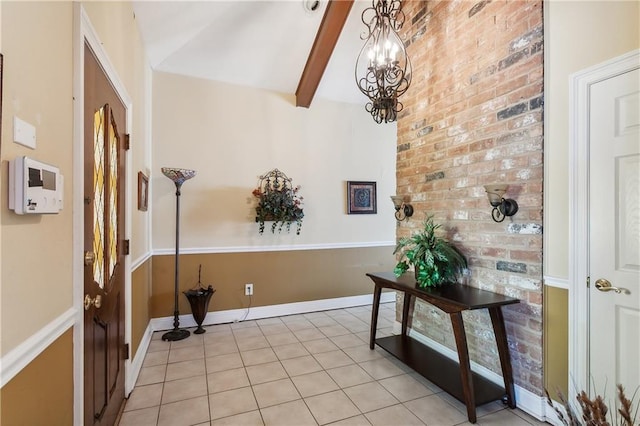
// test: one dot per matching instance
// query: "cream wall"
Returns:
(577, 34)
(233, 134)
(36, 258)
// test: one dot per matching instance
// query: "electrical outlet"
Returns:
(248, 289)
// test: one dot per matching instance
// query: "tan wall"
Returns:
(140, 301)
(42, 393)
(473, 116)
(278, 276)
(36, 259)
(231, 135)
(556, 353)
(578, 34)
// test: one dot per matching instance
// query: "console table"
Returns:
(455, 378)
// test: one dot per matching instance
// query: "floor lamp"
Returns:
(178, 176)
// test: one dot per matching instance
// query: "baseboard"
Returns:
(234, 315)
(138, 359)
(19, 357)
(526, 400)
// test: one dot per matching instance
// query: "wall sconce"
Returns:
(403, 210)
(501, 207)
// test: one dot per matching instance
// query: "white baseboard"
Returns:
(233, 315)
(20, 356)
(526, 400)
(221, 317)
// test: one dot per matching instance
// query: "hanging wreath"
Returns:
(278, 201)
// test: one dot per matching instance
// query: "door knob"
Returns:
(89, 258)
(605, 285)
(88, 301)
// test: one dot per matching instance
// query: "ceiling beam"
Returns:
(333, 20)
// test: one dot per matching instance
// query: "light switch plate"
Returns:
(24, 133)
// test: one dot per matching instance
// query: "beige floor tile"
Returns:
(394, 415)
(180, 389)
(155, 358)
(279, 339)
(252, 418)
(299, 324)
(503, 418)
(232, 402)
(482, 410)
(274, 329)
(214, 349)
(332, 359)
(243, 324)
(183, 413)
(307, 334)
(273, 393)
(144, 397)
(325, 321)
(433, 410)
(143, 417)
(222, 338)
(258, 356)
(218, 328)
(314, 383)
(266, 373)
(192, 340)
(184, 369)
(292, 318)
(331, 407)
(370, 396)
(362, 353)
(253, 342)
(245, 333)
(269, 321)
(356, 421)
(227, 380)
(320, 345)
(292, 350)
(333, 330)
(223, 362)
(349, 375)
(301, 365)
(149, 375)
(346, 341)
(357, 326)
(293, 413)
(381, 368)
(158, 345)
(186, 354)
(532, 420)
(405, 387)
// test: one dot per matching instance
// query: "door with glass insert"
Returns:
(104, 124)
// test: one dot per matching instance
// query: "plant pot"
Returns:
(199, 300)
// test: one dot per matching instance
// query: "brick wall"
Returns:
(473, 116)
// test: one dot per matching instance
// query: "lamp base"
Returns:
(175, 334)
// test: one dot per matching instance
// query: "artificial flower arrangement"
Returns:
(278, 201)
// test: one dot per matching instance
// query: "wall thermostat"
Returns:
(34, 187)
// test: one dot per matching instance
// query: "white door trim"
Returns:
(579, 93)
(83, 31)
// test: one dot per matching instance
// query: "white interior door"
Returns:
(614, 234)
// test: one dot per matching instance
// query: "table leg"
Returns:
(405, 312)
(497, 320)
(374, 315)
(465, 366)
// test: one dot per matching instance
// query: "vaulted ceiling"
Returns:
(263, 44)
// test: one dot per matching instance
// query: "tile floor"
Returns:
(308, 369)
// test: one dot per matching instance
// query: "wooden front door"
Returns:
(104, 213)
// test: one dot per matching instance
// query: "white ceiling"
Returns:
(263, 44)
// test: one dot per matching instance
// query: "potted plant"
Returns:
(435, 260)
(278, 201)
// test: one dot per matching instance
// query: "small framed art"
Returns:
(361, 197)
(143, 192)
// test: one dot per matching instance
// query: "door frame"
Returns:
(83, 32)
(579, 96)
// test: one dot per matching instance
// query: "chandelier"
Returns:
(383, 68)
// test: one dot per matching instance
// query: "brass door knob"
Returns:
(605, 285)
(89, 258)
(88, 301)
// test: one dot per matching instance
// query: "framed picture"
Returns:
(143, 192)
(361, 198)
